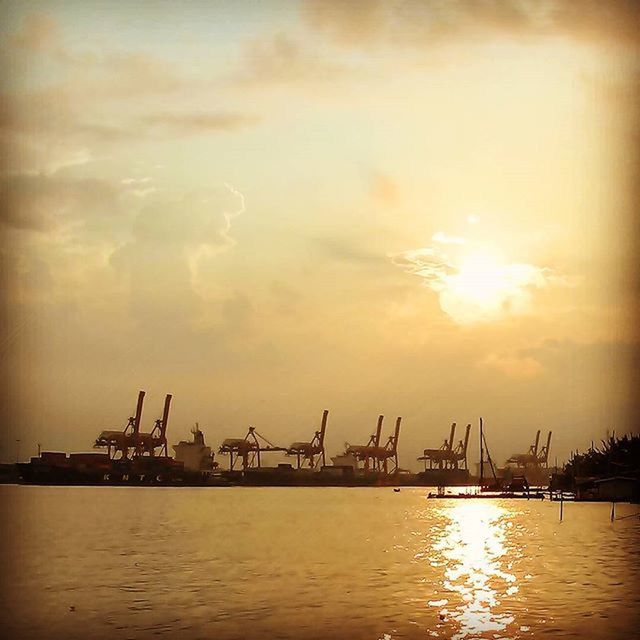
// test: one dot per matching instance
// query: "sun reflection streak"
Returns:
(472, 546)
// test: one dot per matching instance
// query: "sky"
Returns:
(416, 209)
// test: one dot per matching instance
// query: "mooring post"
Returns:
(561, 504)
(613, 511)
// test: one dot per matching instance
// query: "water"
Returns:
(307, 563)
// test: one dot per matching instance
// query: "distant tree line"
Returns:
(614, 457)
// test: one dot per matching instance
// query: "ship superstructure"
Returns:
(195, 456)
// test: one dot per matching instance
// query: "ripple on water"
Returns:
(317, 563)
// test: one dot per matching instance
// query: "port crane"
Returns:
(121, 442)
(147, 443)
(440, 456)
(487, 485)
(248, 449)
(535, 456)
(390, 451)
(313, 451)
(543, 455)
(367, 453)
(131, 442)
(376, 456)
(448, 456)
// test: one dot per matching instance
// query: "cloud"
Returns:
(92, 102)
(280, 59)
(237, 312)
(137, 181)
(581, 362)
(443, 238)
(54, 112)
(513, 366)
(193, 123)
(285, 299)
(43, 203)
(123, 75)
(43, 131)
(348, 250)
(171, 239)
(200, 217)
(347, 22)
(38, 32)
(105, 74)
(426, 263)
(608, 354)
(384, 189)
(139, 187)
(414, 23)
(46, 130)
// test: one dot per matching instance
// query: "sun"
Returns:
(482, 279)
(485, 287)
(474, 281)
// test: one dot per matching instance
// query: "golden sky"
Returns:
(411, 208)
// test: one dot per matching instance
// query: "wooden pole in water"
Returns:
(481, 457)
(613, 511)
(561, 504)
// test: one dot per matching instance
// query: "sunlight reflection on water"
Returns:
(473, 546)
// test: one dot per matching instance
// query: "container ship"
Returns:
(132, 457)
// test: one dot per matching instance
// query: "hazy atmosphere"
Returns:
(272, 208)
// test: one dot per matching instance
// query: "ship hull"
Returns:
(116, 475)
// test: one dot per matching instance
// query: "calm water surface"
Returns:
(233, 563)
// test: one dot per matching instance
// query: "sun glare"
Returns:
(474, 283)
(485, 287)
(482, 279)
